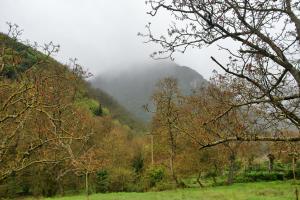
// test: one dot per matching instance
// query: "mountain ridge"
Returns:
(133, 87)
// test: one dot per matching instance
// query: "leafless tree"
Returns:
(166, 98)
(263, 73)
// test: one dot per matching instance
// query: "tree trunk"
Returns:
(215, 173)
(61, 188)
(152, 150)
(230, 177)
(172, 169)
(250, 163)
(294, 177)
(87, 185)
(198, 180)
(214, 180)
(172, 154)
(271, 162)
(294, 168)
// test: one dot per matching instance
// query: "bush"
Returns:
(9, 189)
(138, 163)
(289, 174)
(120, 180)
(264, 176)
(280, 167)
(135, 187)
(102, 181)
(154, 175)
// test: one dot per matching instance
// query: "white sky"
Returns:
(102, 34)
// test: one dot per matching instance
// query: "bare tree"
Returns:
(90, 162)
(263, 73)
(166, 99)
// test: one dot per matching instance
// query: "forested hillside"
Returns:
(29, 57)
(54, 127)
(116, 110)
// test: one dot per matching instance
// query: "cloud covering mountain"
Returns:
(134, 88)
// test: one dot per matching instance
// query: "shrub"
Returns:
(120, 180)
(154, 175)
(138, 163)
(278, 166)
(9, 189)
(135, 187)
(289, 174)
(102, 181)
(264, 176)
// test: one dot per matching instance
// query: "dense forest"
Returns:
(60, 136)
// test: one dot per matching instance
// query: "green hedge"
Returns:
(264, 176)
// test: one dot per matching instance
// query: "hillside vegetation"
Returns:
(54, 127)
(29, 57)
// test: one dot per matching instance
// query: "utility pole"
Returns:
(152, 147)
(152, 150)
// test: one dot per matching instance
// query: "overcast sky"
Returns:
(102, 34)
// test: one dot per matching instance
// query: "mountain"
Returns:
(133, 87)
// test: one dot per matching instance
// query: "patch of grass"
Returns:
(242, 191)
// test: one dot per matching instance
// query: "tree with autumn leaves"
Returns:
(197, 121)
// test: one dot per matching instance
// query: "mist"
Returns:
(102, 35)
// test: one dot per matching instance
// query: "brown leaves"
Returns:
(90, 161)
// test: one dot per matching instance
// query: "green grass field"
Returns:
(245, 191)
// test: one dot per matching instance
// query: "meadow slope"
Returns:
(244, 191)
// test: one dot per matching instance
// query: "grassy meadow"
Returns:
(244, 191)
